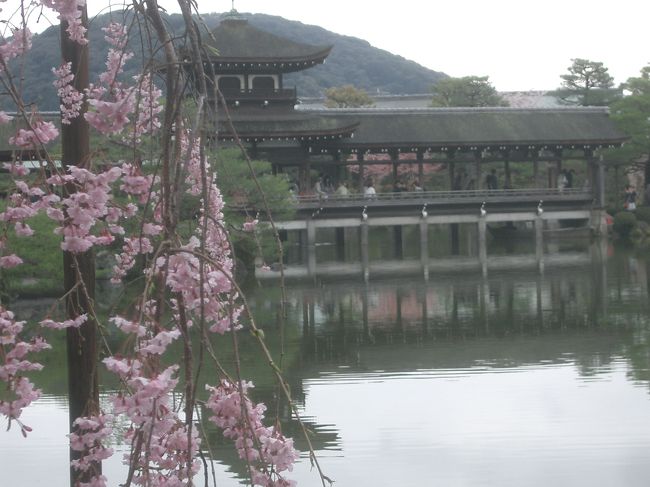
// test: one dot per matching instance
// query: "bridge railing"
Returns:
(445, 196)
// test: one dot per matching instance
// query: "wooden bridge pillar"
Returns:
(362, 176)
(482, 244)
(424, 247)
(420, 158)
(398, 235)
(479, 182)
(484, 293)
(311, 247)
(539, 243)
(599, 188)
(363, 230)
(339, 236)
(454, 231)
(451, 169)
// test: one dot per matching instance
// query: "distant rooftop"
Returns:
(516, 99)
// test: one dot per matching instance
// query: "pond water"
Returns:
(521, 377)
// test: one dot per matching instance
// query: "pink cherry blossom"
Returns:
(69, 10)
(60, 325)
(23, 230)
(71, 99)
(9, 261)
(42, 133)
(18, 44)
(250, 225)
(4, 118)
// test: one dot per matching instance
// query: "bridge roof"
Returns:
(476, 128)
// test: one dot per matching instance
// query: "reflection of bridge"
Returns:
(455, 264)
(568, 294)
(542, 208)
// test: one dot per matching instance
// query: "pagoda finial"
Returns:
(232, 15)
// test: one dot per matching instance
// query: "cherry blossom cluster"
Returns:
(250, 225)
(147, 405)
(71, 99)
(14, 362)
(192, 277)
(269, 452)
(148, 108)
(41, 133)
(89, 438)
(19, 43)
(82, 209)
(69, 11)
(112, 102)
(61, 325)
(201, 271)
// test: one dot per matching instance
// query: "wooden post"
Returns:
(540, 309)
(79, 269)
(507, 184)
(311, 247)
(339, 235)
(363, 229)
(398, 242)
(452, 171)
(617, 189)
(395, 160)
(598, 181)
(420, 157)
(478, 157)
(482, 244)
(424, 247)
(535, 157)
(425, 314)
(539, 242)
(484, 293)
(307, 187)
(361, 172)
(304, 169)
(340, 169)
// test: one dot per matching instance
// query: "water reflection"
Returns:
(519, 377)
(524, 376)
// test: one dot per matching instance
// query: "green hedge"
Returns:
(624, 223)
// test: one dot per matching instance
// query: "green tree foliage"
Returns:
(588, 83)
(468, 91)
(624, 223)
(244, 201)
(631, 113)
(347, 97)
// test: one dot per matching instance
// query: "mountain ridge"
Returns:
(352, 60)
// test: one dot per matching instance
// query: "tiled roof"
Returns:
(480, 127)
(236, 40)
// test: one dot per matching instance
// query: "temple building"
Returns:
(249, 64)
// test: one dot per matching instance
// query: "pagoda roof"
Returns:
(477, 129)
(236, 44)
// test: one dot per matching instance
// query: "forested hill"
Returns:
(352, 61)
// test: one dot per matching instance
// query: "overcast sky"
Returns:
(519, 44)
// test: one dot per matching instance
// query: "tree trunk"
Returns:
(79, 269)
